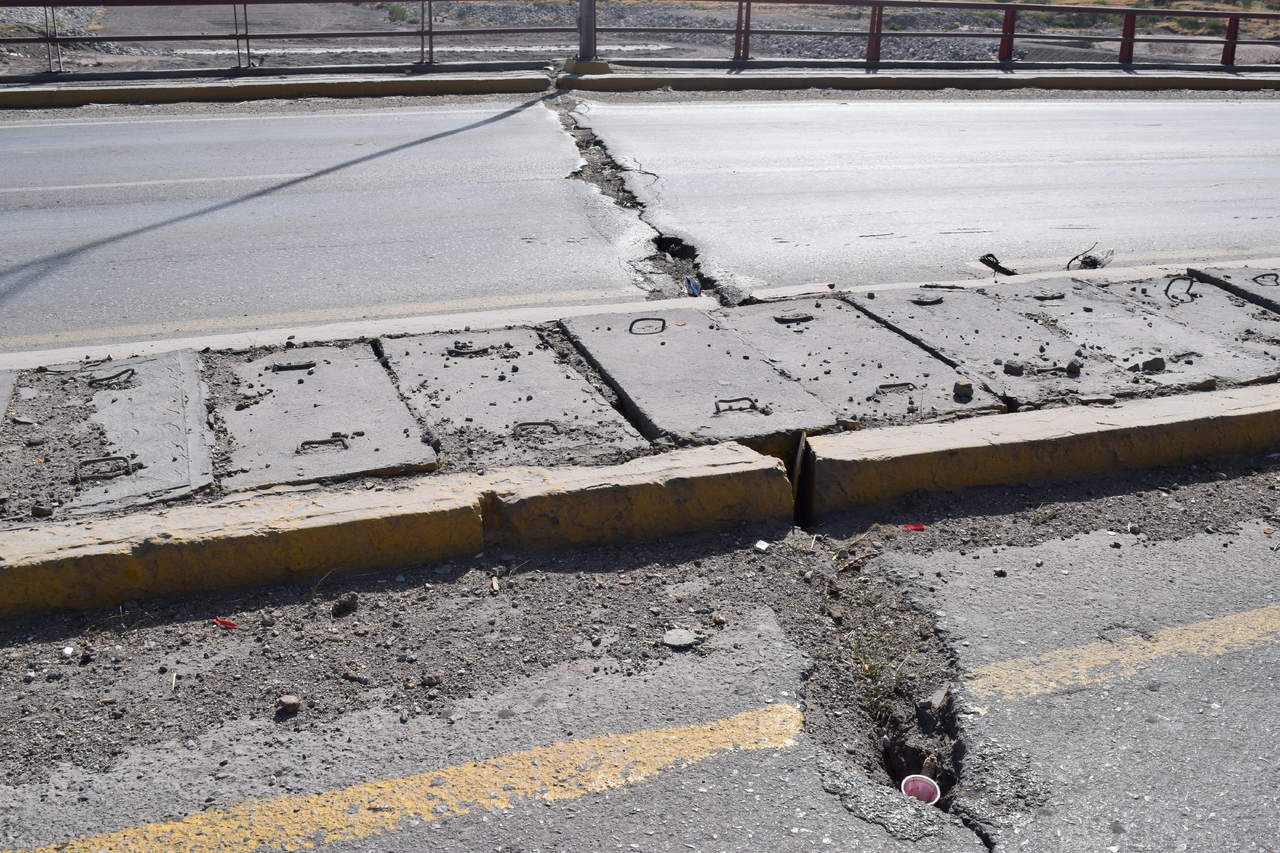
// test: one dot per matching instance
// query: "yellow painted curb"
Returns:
(249, 540)
(876, 465)
(249, 90)
(278, 536)
(701, 488)
(722, 81)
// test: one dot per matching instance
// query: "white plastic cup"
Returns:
(921, 788)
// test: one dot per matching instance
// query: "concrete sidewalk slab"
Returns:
(1019, 359)
(1260, 286)
(681, 373)
(877, 465)
(155, 418)
(503, 397)
(1145, 338)
(865, 373)
(1208, 309)
(312, 413)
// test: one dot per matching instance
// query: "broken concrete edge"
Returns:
(36, 97)
(618, 81)
(874, 466)
(273, 537)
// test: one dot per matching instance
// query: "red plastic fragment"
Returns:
(913, 527)
(224, 623)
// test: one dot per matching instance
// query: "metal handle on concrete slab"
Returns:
(121, 376)
(1173, 297)
(323, 442)
(1267, 279)
(528, 425)
(788, 319)
(657, 331)
(103, 475)
(461, 350)
(895, 386)
(292, 365)
(726, 405)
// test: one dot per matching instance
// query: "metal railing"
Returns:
(426, 33)
(876, 33)
(588, 31)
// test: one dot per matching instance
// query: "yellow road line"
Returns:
(1095, 663)
(561, 771)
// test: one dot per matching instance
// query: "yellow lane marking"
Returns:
(561, 771)
(1095, 663)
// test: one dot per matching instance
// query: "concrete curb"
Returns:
(35, 97)
(868, 467)
(708, 82)
(264, 538)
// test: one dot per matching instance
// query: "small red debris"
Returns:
(913, 527)
(224, 623)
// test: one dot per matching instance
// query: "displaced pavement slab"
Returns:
(704, 749)
(683, 374)
(1211, 310)
(1138, 679)
(1146, 341)
(504, 397)
(1019, 359)
(315, 413)
(864, 372)
(89, 437)
(1260, 286)
(912, 190)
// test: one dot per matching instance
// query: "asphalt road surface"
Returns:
(203, 222)
(867, 193)
(134, 223)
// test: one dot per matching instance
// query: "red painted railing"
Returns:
(587, 29)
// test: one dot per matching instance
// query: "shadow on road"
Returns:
(18, 277)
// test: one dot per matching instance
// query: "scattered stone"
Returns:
(719, 619)
(346, 605)
(41, 510)
(289, 704)
(1153, 365)
(679, 638)
(357, 678)
(1115, 544)
(1014, 368)
(68, 652)
(1001, 573)
(762, 546)
(963, 390)
(433, 679)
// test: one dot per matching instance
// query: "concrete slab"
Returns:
(1260, 286)
(1143, 335)
(681, 373)
(8, 379)
(1024, 361)
(1209, 309)
(153, 416)
(863, 371)
(314, 413)
(504, 397)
